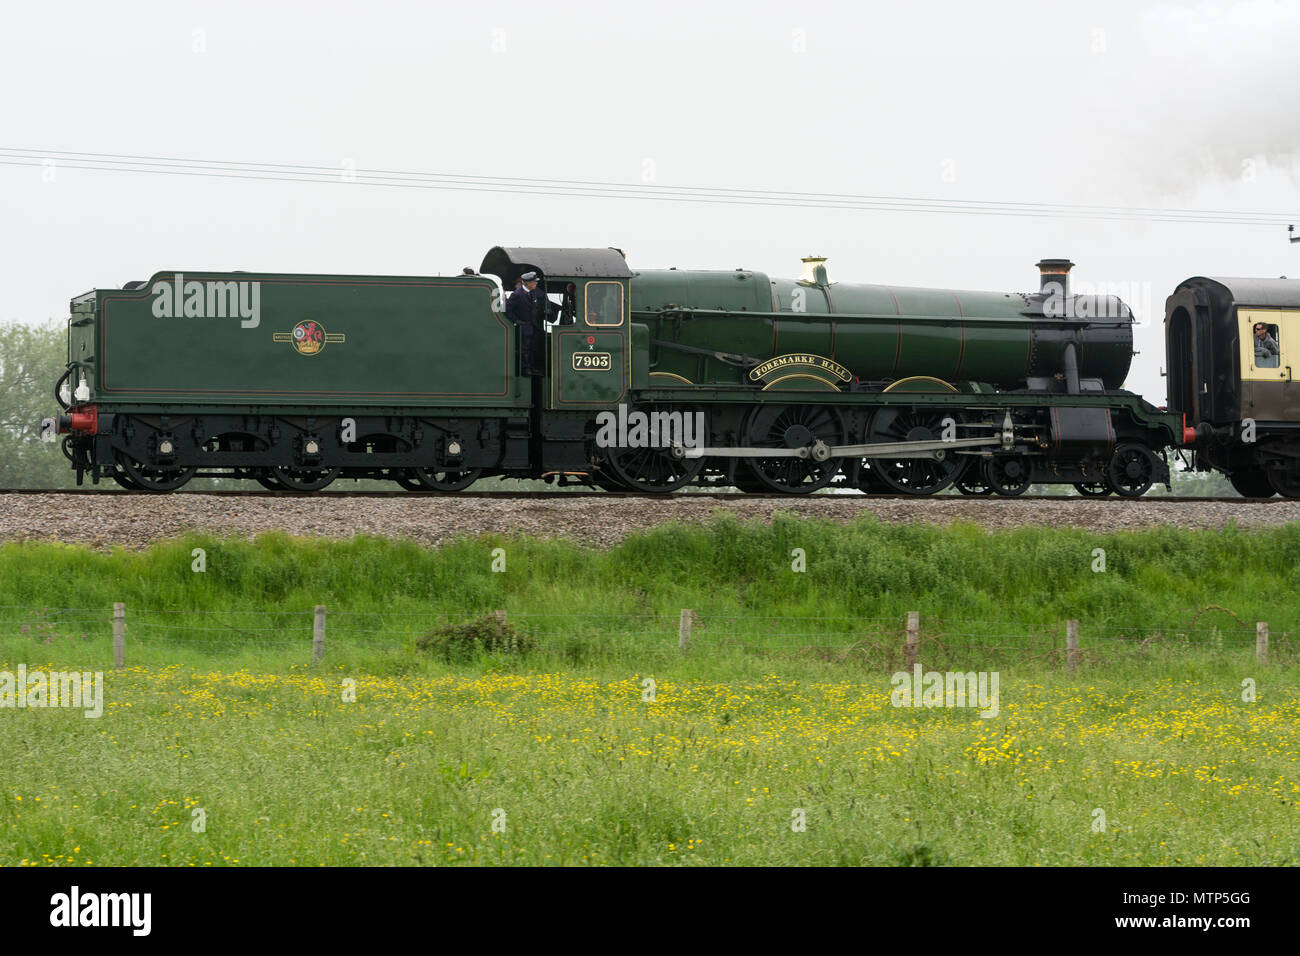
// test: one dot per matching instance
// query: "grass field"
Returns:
(778, 715)
(418, 769)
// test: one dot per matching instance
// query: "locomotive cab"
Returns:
(587, 361)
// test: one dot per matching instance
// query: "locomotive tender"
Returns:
(293, 381)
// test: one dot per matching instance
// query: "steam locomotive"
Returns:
(790, 386)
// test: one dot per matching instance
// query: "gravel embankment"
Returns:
(136, 520)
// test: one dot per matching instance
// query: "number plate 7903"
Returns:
(592, 362)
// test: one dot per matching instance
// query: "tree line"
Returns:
(32, 357)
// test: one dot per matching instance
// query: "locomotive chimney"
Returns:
(1054, 276)
(814, 271)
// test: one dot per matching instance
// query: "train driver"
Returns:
(521, 309)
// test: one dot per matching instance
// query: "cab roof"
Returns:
(508, 263)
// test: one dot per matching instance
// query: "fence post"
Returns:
(1261, 642)
(119, 635)
(1072, 645)
(684, 629)
(500, 616)
(318, 635)
(912, 647)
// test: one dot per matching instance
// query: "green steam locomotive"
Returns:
(649, 381)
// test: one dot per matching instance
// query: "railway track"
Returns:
(569, 495)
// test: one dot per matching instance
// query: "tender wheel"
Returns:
(151, 477)
(1009, 475)
(1252, 483)
(407, 482)
(433, 479)
(1285, 483)
(1132, 469)
(304, 479)
(652, 469)
(794, 426)
(974, 479)
(1093, 489)
(913, 476)
(267, 480)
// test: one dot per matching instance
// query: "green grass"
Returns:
(780, 705)
(417, 768)
(976, 590)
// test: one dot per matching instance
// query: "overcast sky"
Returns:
(1167, 105)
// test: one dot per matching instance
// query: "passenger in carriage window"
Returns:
(1266, 349)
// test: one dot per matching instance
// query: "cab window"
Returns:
(604, 303)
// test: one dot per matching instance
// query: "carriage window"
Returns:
(604, 303)
(1267, 345)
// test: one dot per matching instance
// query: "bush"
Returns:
(464, 641)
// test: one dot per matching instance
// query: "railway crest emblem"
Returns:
(308, 337)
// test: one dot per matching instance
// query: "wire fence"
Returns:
(881, 643)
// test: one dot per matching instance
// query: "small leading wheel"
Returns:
(1285, 482)
(794, 426)
(1252, 483)
(913, 476)
(1009, 475)
(304, 479)
(151, 477)
(1132, 469)
(1093, 489)
(974, 479)
(436, 479)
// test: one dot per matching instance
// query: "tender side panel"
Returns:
(249, 338)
